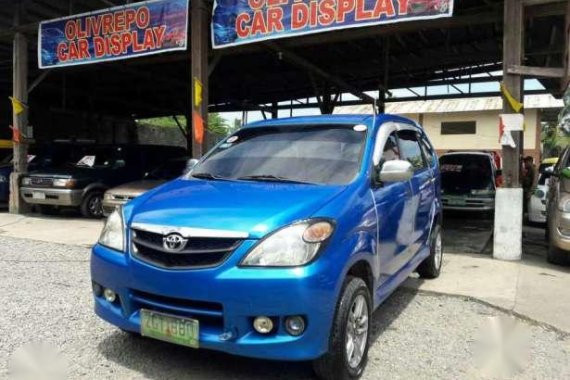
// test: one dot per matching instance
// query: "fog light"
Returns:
(97, 289)
(263, 325)
(109, 295)
(295, 325)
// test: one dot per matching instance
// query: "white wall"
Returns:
(487, 136)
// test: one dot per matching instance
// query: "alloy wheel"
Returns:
(357, 331)
(438, 251)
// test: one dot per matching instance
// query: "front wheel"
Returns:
(431, 266)
(348, 351)
(92, 205)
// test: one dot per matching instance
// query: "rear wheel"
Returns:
(348, 350)
(431, 266)
(92, 205)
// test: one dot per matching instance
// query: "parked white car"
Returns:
(537, 201)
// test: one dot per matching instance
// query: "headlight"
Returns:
(113, 234)
(61, 182)
(108, 196)
(294, 245)
(3, 179)
(539, 193)
(26, 181)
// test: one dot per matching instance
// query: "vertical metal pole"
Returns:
(512, 55)
(20, 120)
(199, 73)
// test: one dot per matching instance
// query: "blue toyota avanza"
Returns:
(280, 243)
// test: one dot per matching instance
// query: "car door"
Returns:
(419, 213)
(554, 185)
(391, 200)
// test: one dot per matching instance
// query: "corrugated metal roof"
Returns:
(455, 105)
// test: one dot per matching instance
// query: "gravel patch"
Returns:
(45, 296)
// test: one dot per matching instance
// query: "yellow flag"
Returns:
(197, 92)
(17, 106)
(515, 104)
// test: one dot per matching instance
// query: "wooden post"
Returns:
(513, 41)
(20, 120)
(199, 75)
(509, 200)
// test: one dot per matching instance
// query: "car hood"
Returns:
(135, 188)
(68, 172)
(240, 206)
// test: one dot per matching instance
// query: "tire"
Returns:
(92, 205)
(48, 210)
(557, 256)
(336, 364)
(431, 266)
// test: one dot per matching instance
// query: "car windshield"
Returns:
(328, 154)
(466, 172)
(169, 170)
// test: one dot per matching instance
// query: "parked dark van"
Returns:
(468, 181)
(92, 169)
(40, 156)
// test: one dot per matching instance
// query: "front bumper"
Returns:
(467, 203)
(225, 299)
(54, 197)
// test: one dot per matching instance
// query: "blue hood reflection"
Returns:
(246, 206)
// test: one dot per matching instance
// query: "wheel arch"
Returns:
(362, 269)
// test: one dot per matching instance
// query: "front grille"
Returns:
(41, 181)
(199, 252)
(123, 197)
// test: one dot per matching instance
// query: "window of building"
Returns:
(458, 128)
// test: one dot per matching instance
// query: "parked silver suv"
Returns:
(558, 211)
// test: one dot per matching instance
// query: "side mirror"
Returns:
(396, 171)
(190, 164)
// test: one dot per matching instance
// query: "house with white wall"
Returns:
(471, 124)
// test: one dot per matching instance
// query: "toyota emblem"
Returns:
(174, 242)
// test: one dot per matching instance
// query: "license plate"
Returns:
(178, 330)
(456, 201)
(38, 195)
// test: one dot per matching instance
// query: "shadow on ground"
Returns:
(158, 360)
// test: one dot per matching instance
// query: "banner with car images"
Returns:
(127, 31)
(238, 22)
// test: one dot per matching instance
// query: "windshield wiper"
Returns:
(271, 178)
(206, 176)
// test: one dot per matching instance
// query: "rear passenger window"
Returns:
(410, 149)
(429, 154)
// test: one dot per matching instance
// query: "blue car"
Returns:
(280, 243)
